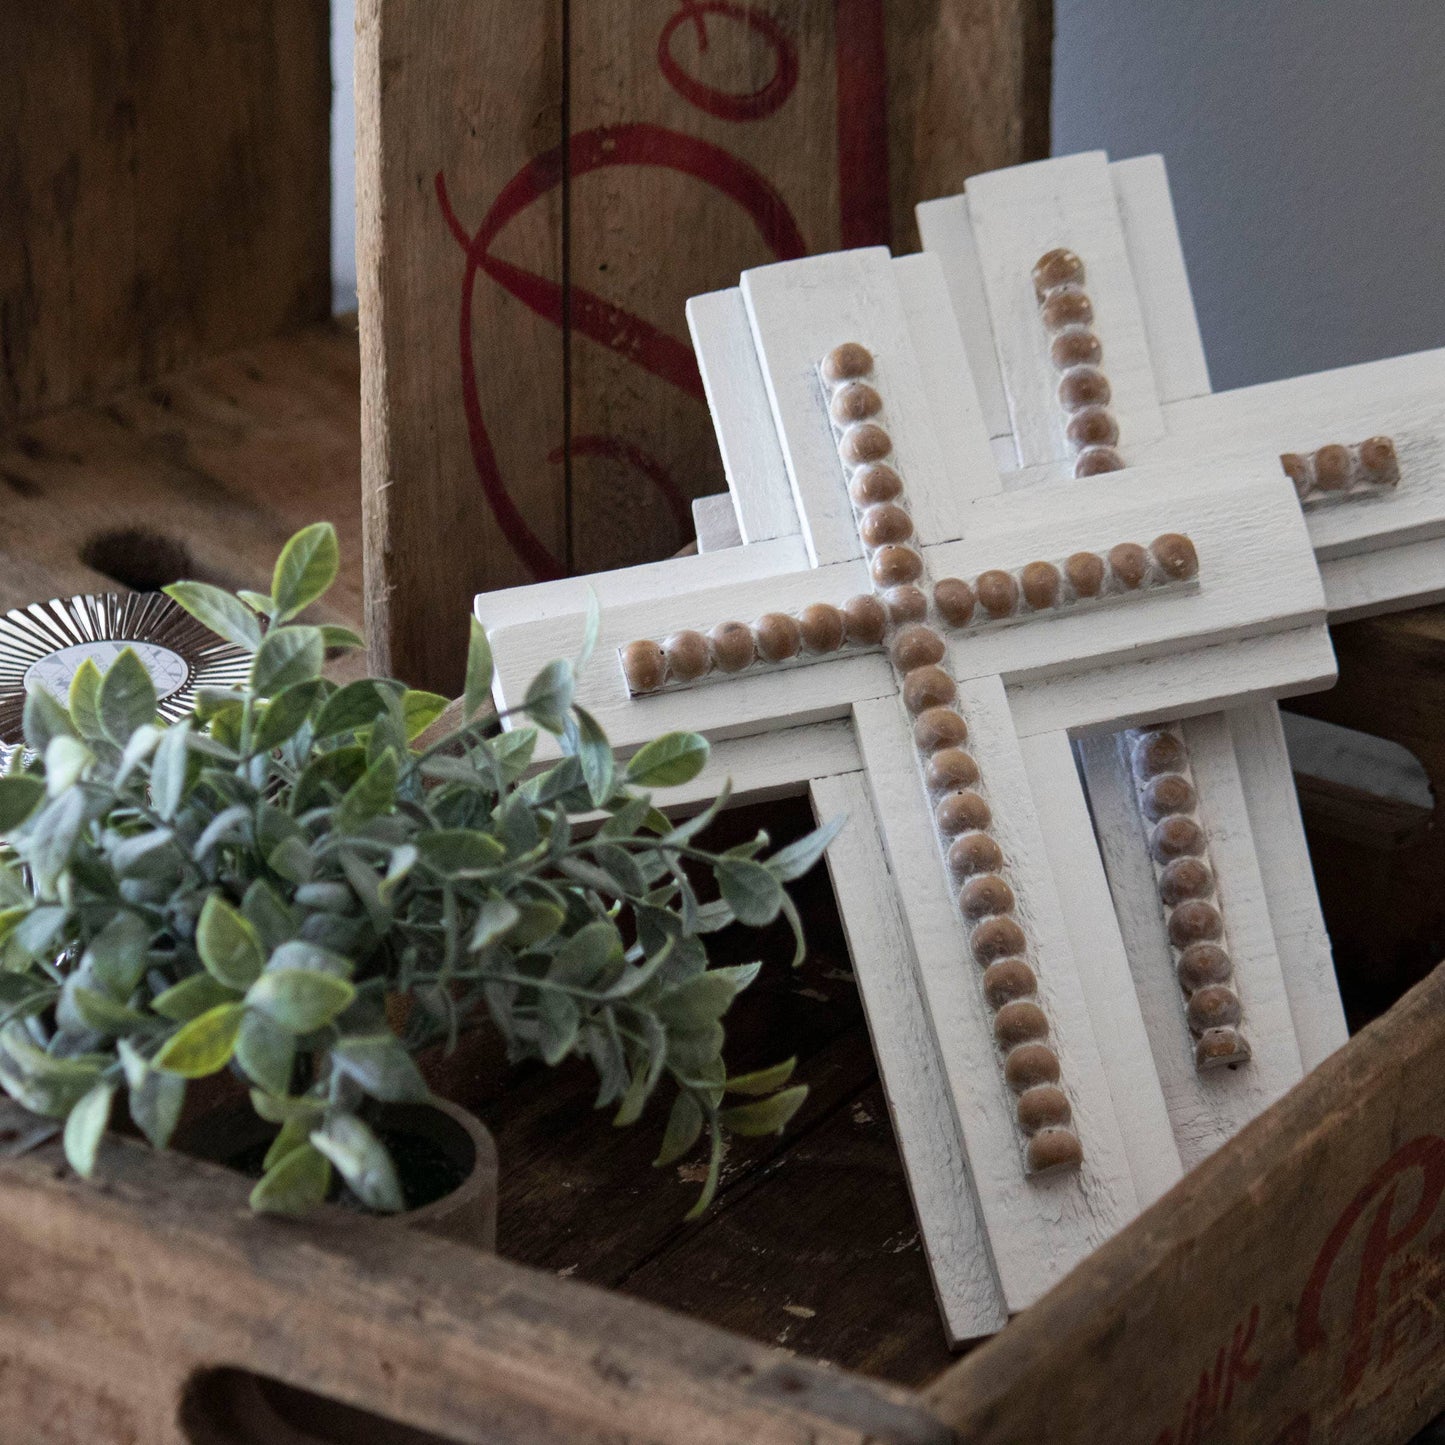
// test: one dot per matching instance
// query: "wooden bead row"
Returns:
(1179, 846)
(1336, 472)
(1084, 392)
(961, 812)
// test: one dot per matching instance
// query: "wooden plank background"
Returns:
(530, 228)
(128, 130)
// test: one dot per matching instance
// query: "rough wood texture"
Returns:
(128, 130)
(1286, 1292)
(526, 249)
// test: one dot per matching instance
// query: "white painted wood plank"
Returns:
(715, 520)
(947, 233)
(1039, 1227)
(1103, 966)
(766, 766)
(1294, 906)
(752, 460)
(957, 411)
(801, 310)
(1156, 258)
(954, 1243)
(1206, 1108)
(1366, 584)
(1020, 213)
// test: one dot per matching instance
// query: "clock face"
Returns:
(169, 670)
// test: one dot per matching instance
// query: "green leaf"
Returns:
(301, 953)
(53, 835)
(539, 921)
(100, 1012)
(85, 700)
(479, 672)
(750, 889)
(127, 698)
(256, 601)
(193, 997)
(762, 1081)
(203, 1046)
(382, 1066)
(684, 1128)
(298, 1181)
(799, 856)
(44, 719)
(168, 770)
(558, 1022)
(350, 708)
(586, 954)
(228, 945)
(305, 570)
(300, 1000)
(292, 859)
(594, 752)
(292, 1135)
(285, 714)
(495, 917)
(766, 1116)
(66, 760)
(549, 698)
(225, 615)
(371, 795)
(281, 1110)
(267, 913)
(362, 1160)
(156, 1099)
(453, 852)
(43, 1084)
(714, 1175)
(512, 752)
(20, 795)
(340, 639)
(266, 1052)
(667, 761)
(84, 1127)
(420, 710)
(142, 744)
(704, 999)
(287, 656)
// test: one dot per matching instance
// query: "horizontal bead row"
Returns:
(918, 652)
(1179, 847)
(1336, 472)
(1084, 392)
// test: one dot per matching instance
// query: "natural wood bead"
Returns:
(927, 687)
(1056, 268)
(1183, 879)
(1067, 306)
(1075, 346)
(1085, 571)
(954, 599)
(1083, 386)
(1175, 554)
(1129, 563)
(892, 565)
(644, 666)
(1092, 426)
(1158, 752)
(865, 619)
(1213, 1007)
(998, 593)
(951, 768)
(1020, 1022)
(906, 603)
(877, 483)
(1006, 980)
(939, 727)
(997, 938)
(1051, 1149)
(974, 853)
(1202, 964)
(1194, 922)
(845, 362)
(1377, 455)
(1095, 461)
(866, 442)
(917, 646)
(1297, 469)
(855, 401)
(986, 895)
(1030, 1065)
(822, 627)
(1220, 1047)
(962, 812)
(1177, 837)
(1167, 794)
(688, 655)
(1332, 467)
(733, 648)
(885, 523)
(1044, 1107)
(778, 636)
(1041, 584)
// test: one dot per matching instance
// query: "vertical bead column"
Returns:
(961, 812)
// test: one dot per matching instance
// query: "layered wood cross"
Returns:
(917, 654)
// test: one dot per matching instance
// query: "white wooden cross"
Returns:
(836, 710)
